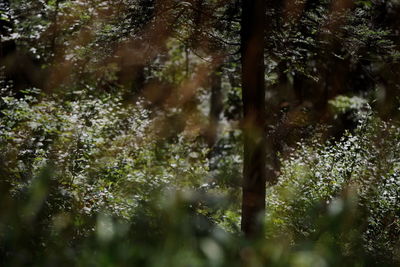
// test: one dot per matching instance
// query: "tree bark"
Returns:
(253, 94)
(216, 106)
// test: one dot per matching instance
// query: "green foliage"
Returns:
(103, 151)
(105, 162)
(346, 191)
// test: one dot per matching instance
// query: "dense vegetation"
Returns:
(123, 122)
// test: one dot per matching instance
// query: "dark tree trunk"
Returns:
(253, 92)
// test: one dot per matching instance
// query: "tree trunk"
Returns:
(253, 93)
(216, 106)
